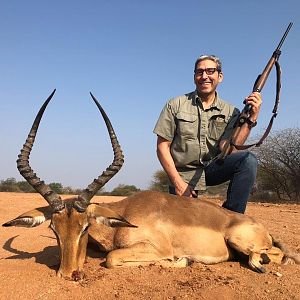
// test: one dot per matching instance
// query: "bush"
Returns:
(160, 182)
(124, 190)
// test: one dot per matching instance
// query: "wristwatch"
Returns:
(250, 123)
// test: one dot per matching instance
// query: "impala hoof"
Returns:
(77, 275)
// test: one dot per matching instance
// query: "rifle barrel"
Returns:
(284, 36)
(258, 85)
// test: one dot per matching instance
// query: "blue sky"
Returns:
(133, 56)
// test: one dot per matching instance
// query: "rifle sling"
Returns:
(277, 99)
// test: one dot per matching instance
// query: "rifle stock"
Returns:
(258, 86)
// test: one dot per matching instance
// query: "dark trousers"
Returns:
(240, 170)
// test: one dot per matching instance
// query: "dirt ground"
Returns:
(29, 259)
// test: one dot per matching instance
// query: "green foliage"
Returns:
(101, 192)
(68, 190)
(12, 185)
(25, 187)
(56, 187)
(9, 185)
(160, 181)
(124, 190)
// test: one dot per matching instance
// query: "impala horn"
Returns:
(88, 193)
(25, 170)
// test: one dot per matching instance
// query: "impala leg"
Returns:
(264, 257)
(253, 240)
(142, 254)
(255, 260)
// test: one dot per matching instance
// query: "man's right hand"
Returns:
(183, 189)
(166, 160)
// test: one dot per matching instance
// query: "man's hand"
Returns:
(183, 189)
(166, 160)
(255, 101)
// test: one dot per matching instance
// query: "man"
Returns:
(192, 130)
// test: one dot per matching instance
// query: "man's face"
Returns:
(206, 84)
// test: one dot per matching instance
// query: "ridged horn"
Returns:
(25, 170)
(88, 193)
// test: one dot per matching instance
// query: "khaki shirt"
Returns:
(195, 133)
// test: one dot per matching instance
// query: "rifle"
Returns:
(258, 86)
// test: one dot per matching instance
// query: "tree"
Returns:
(9, 185)
(25, 187)
(279, 164)
(56, 187)
(124, 190)
(160, 181)
(101, 192)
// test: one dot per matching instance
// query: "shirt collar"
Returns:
(217, 104)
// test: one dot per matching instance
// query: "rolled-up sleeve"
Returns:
(165, 126)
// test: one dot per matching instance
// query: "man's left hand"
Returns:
(255, 101)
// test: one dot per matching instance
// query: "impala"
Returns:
(146, 228)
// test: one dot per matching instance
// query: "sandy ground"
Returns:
(29, 259)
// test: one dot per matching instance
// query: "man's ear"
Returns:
(31, 218)
(221, 77)
(106, 216)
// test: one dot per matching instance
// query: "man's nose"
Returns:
(204, 75)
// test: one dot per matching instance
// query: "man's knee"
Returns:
(250, 162)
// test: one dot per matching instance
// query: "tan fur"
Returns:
(172, 227)
(171, 231)
(69, 229)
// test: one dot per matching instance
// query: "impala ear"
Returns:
(106, 216)
(31, 218)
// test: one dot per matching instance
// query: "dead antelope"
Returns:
(172, 231)
(70, 219)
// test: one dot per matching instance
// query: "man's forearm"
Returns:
(167, 162)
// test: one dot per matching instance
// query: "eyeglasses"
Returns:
(208, 71)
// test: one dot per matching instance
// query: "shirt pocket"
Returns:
(216, 127)
(187, 124)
